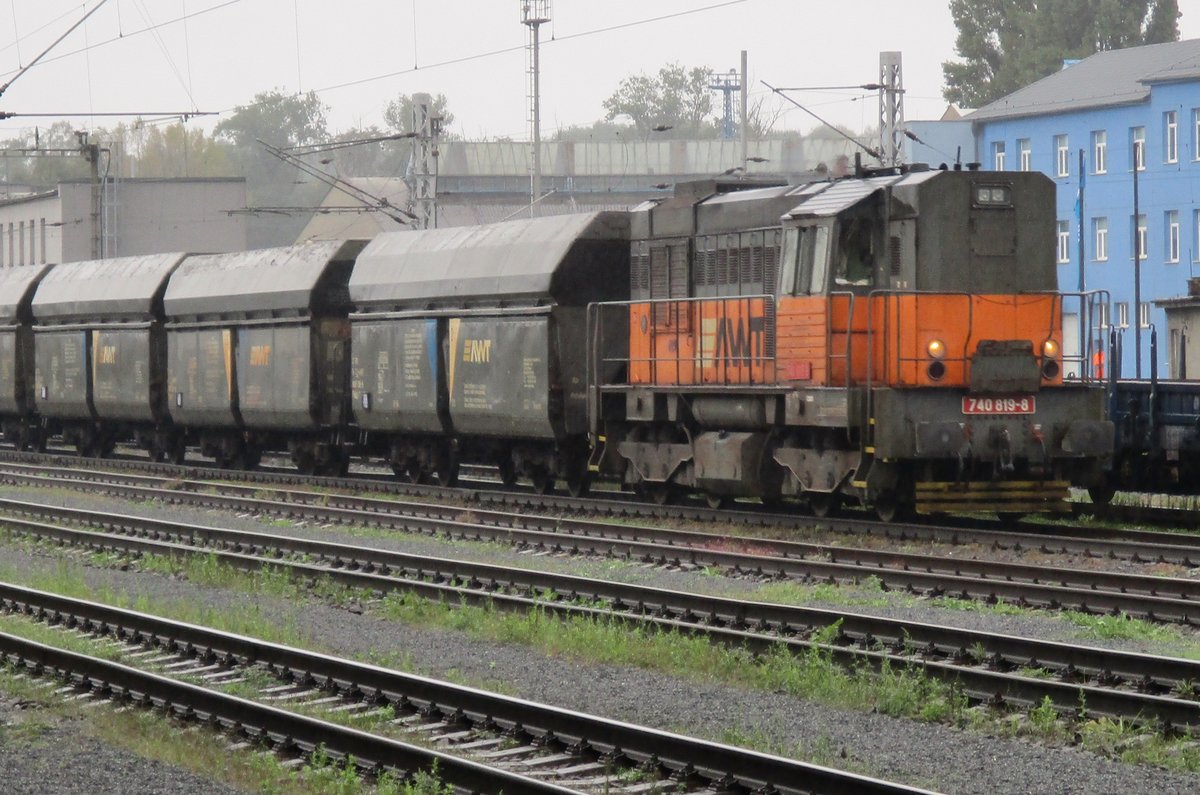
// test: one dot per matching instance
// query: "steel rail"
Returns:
(681, 756)
(288, 730)
(980, 662)
(1134, 545)
(1151, 597)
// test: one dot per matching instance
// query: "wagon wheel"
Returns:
(824, 503)
(543, 482)
(306, 462)
(716, 501)
(1010, 517)
(508, 471)
(414, 472)
(447, 473)
(177, 452)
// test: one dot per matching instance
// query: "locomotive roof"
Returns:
(16, 286)
(127, 287)
(507, 260)
(844, 194)
(257, 281)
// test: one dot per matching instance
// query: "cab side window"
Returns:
(806, 260)
(855, 263)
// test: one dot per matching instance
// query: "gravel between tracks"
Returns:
(933, 756)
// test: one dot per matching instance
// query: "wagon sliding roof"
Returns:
(16, 284)
(507, 260)
(262, 280)
(124, 287)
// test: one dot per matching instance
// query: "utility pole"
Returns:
(1085, 323)
(727, 84)
(891, 107)
(91, 153)
(427, 128)
(535, 13)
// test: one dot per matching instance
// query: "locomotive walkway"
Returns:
(479, 741)
(989, 667)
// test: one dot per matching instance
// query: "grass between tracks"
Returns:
(903, 692)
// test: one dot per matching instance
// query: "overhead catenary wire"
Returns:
(54, 44)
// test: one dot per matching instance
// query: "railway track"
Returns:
(989, 667)
(1151, 597)
(1137, 545)
(300, 701)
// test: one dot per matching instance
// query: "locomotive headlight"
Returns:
(936, 349)
(1050, 349)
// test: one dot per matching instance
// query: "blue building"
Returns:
(1118, 111)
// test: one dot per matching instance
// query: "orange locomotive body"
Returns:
(893, 339)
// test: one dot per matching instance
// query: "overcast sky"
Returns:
(212, 55)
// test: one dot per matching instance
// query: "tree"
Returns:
(1004, 45)
(277, 118)
(399, 114)
(678, 97)
(172, 151)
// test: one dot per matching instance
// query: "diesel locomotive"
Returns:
(892, 339)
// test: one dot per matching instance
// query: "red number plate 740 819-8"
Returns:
(1013, 404)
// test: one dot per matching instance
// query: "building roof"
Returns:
(1113, 77)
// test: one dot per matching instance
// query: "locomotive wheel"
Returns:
(824, 504)
(888, 507)
(579, 485)
(662, 493)
(1102, 493)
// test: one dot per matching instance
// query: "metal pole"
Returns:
(1137, 266)
(537, 127)
(1085, 333)
(745, 109)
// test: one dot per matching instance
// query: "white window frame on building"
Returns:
(1195, 133)
(1171, 137)
(1144, 314)
(1062, 156)
(1171, 221)
(1100, 152)
(998, 155)
(1195, 235)
(1100, 238)
(1140, 236)
(1122, 314)
(1137, 148)
(1064, 241)
(1102, 315)
(1025, 153)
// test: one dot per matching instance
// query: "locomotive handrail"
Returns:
(1088, 300)
(678, 330)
